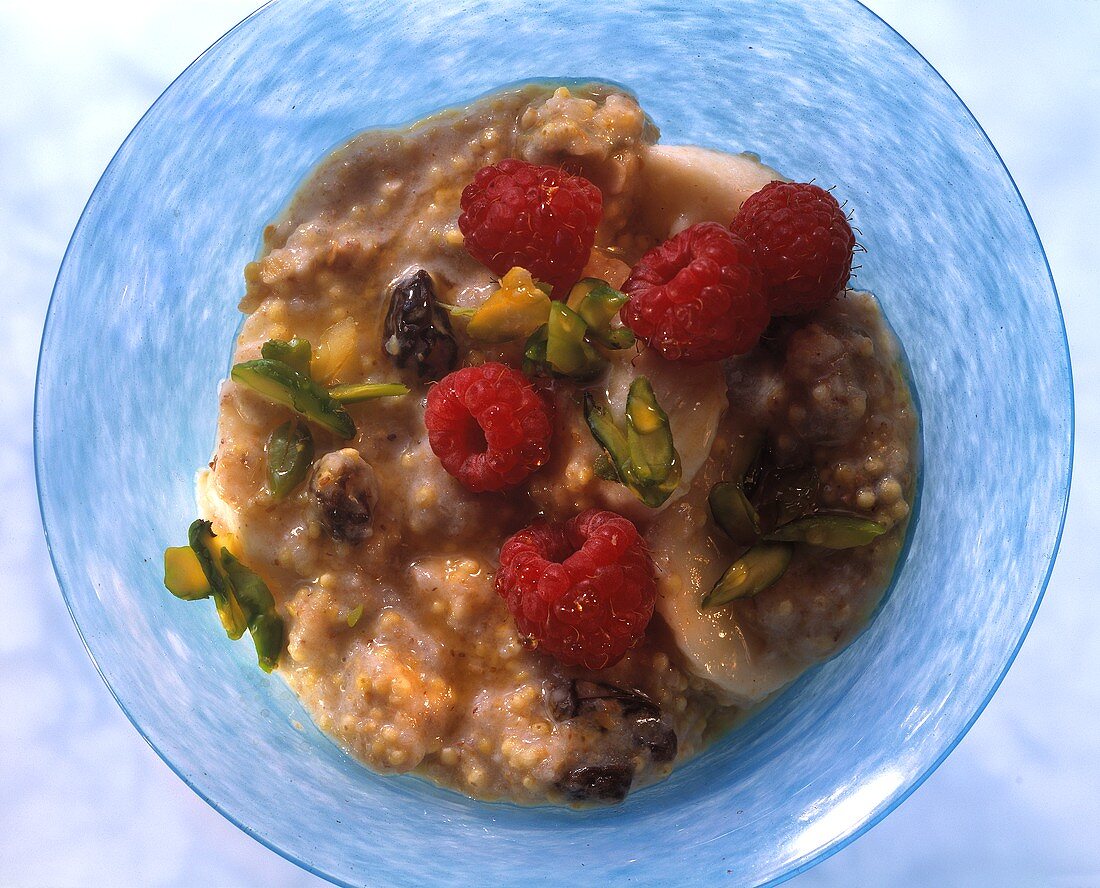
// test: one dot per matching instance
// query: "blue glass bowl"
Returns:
(140, 331)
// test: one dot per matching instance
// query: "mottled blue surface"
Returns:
(124, 614)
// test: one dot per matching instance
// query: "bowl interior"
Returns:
(140, 333)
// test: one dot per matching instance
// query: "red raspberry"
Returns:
(488, 426)
(697, 297)
(583, 590)
(802, 241)
(538, 217)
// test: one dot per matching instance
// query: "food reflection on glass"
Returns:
(548, 450)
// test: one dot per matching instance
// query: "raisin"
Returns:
(571, 699)
(640, 713)
(345, 493)
(418, 330)
(597, 783)
(654, 735)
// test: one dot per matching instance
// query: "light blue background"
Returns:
(85, 802)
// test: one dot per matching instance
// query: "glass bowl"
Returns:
(140, 332)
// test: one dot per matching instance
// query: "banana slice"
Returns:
(683, 184)
(715, 645)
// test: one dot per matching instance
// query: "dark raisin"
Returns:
(641, 714)
(784, 493)
(657, 737)
(597, 783)
(344, 492)
(418, 330)
(570, 699)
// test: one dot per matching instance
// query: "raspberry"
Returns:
(802, 241)
(488, 426)
(583, 590)
(540, 218)
(698, 296)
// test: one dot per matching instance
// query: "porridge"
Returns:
(548, 450)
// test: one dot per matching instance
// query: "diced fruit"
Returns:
(830, 531)
(296, 353)
(538, 217)
(183, 575)
(698, 296)
(357, 392)
(416, 329)
(289, 455)
(802, 242)
(337, 352)
(603, 266)
(753, 572)
(488, 426)
(513, 311)
(277, 382)
(582, 591)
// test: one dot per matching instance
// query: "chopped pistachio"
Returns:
(183, 574)
(734, 513)
(534, 354)
(278, 382)
(830, 531)
(598, 304)
(289, 455)
(356, 392)
(643, 457)
(206, 568)
(296, 353)
(202, 538)
(568, 352)
(648, 435)
(756, 570)
(258, 606)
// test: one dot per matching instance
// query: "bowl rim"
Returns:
(820, 854)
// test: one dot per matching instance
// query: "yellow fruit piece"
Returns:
(336, 354)
(513, 311)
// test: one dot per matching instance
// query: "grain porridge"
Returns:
(431, 508)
